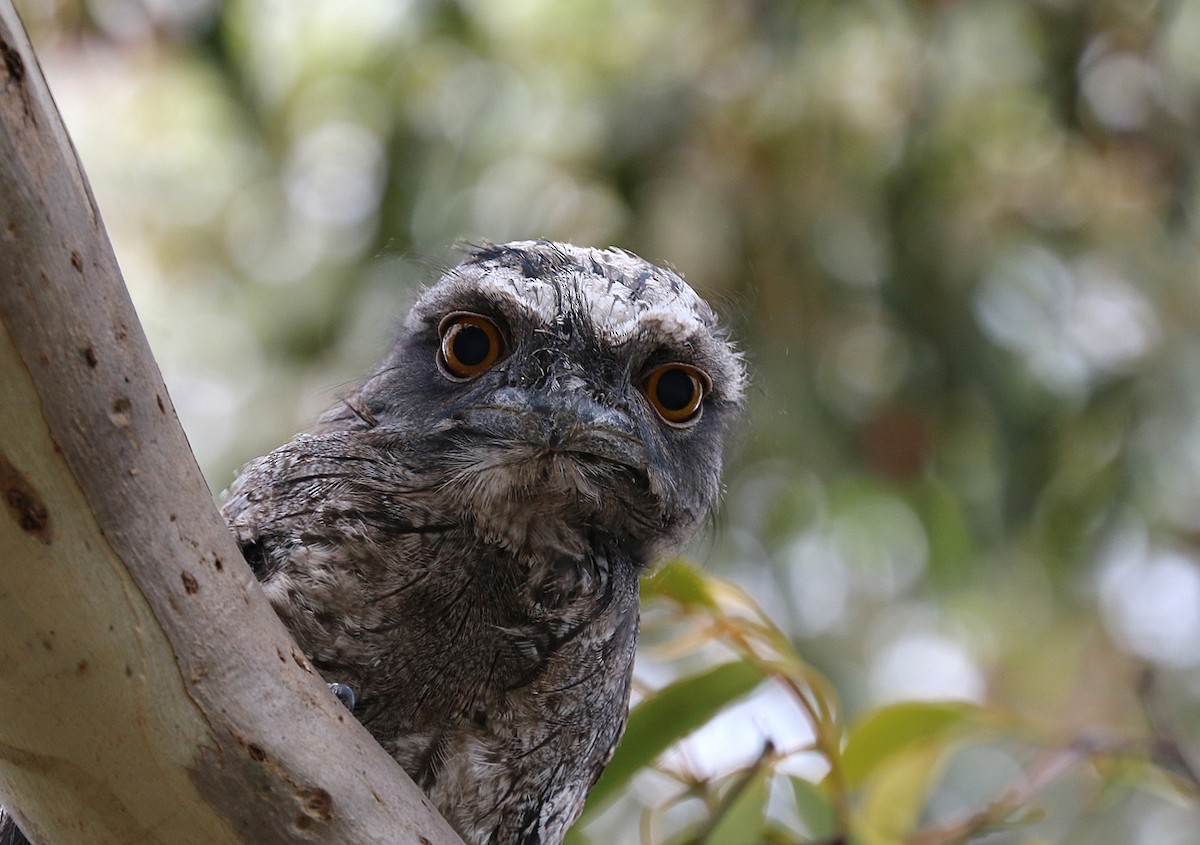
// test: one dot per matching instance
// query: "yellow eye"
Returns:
(675, 391)
(470, 344)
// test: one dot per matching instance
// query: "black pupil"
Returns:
(675, 390)
(471, 346)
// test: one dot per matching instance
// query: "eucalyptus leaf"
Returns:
(892, 729)
(668, 716)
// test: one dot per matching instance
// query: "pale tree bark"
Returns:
(147, 692)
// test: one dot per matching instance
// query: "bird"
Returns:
(458, 542)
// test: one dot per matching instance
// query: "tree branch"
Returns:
(1047, 769)
(148, 692)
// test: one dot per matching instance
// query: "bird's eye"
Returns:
(676, 391)
(470, 344)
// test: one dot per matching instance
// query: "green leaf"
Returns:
(683, 583)
(668, 716)
(743, 820)
(890, 730)
(897, 793)
(814, 808)
(575, 836)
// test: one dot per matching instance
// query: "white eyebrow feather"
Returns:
(626, 299)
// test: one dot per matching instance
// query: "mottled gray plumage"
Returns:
(463, 551)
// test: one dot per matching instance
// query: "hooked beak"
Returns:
(565, 423)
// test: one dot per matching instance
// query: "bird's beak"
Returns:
(568, 422)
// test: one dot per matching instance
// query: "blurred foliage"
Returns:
(960, 242)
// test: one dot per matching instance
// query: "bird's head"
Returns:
(550, 389)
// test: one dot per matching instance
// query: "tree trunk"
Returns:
(147, 691)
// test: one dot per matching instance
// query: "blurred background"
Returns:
(959, 242)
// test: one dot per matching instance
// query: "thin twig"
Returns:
(1167, 750)
(826, 728)
(745, 778)
(1045, 770)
